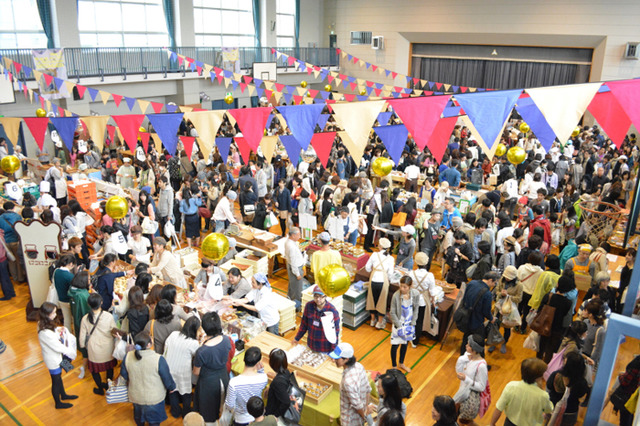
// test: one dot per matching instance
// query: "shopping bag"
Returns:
(399, 219)
(561, 406)
(149, 226)
(555, 363)
(118, 391)
(531, 316)
(226, 418)
(493, 335)
(513, 319)
(270, 220)
(169, 229)
(506, 307)
(532, 342)
(52, 294)
(632, 403)
(122, 347)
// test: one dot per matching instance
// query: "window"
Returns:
(224, 23)
(122, 23)
(360, 37)
(20, 25)
(285, 23)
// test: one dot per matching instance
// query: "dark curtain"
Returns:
(496, 74)
(257, 27)
(297, 28)
(44, 10)
(169, 16)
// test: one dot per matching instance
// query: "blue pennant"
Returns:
(530, 113)
(394, 139)
(166, 126)
(384, 117)
(302, 119)
(131, 102)
(223, 145)
(66, 127)
(293, 148)
(322, 120)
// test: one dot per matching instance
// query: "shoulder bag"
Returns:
(294, 412)
(95, 324)
(543, 322)
(462, 316)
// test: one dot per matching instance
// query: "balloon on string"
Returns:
(228, 98)
(215, 246)
(117, 207)
(516, 155)
(303, 84)
(575, 132)
(382, 166)
(334, 280)
(10, 164)
(327, 88)
(501, 150)
(41, 113)
(524, 128)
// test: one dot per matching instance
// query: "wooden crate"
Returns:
(188, 256)
(311, 383)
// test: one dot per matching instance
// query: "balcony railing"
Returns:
(121, 61)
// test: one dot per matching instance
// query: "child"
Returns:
(209, 281)
(255, 407)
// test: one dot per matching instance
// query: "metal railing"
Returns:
(110, 61)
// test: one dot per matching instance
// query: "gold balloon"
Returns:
(516, 155)
(303, 84)
(142, 130)
(10, 164)
(501, 150)
(327, 88)
(575, 132)
(41, 113)
(308, 94)
(228, 99)
(524, 128)
(117, 207)
(334, 280)
(382, 166)
(363, 92)
(215, 246)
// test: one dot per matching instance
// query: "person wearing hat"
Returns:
(165, 264)
(473, 373)
(524, 212)
(126, 174)
(223, 213)
(381, 266)
(325, 256)
(583, 267)
(430, 295)
(45, 200)
(406, 247)
(429, 243)
(478, 293)
(263, 302)
(354, 386)
(508, 290)
(321, 322)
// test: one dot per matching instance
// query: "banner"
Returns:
(231, 59)
(51, 63)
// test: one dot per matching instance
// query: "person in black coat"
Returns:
(248, 200)
(278, 398)
(262, 210)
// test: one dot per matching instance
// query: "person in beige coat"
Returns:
(97, 338)
(508, 288)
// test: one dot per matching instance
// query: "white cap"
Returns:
(126, 159)
(343, 350)
(45, 186)
(409, 229)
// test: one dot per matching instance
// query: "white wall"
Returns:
(504, 22)
(311, 23)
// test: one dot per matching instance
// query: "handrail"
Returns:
(84, 62)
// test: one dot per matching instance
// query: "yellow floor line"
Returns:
(431, 376)
(17, 401)
(50, 398)
(11, 313)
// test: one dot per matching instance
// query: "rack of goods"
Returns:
(353, 258)
(354, 312)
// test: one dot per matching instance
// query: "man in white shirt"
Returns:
(412, 172)
(223, 214)
(339, 226)
(251, 382)
(296, 261)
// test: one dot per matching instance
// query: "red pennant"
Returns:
(81, 89)
(144, 137)
(297, 99)
(313, 93)
(111, 131)
(291, 60)
(309, 70)
(243, 86)
(322, 144)
(369, 83)
(129, 126)
(420, 115)
(117, 99)
(268, 93)
(394, 74)
(247, 79)
(61, 111)
(180, 60)
(187, 143)
(627, 93)
(374, 67)
(463, 89)
(42, 101)
(377, 91)
(157, 107)
(24, 89)
(439, 86)
(38, 128)
(11, 76)
(352, 86)
(199, 69)
(273, 51)
(349, 97)
(613, 119)
(17, 66)
(48, 79)
(404, 95)
(279, 87)
(243, 147)
(252, 122)
(338, 51)
(440, 137)
(355, 60)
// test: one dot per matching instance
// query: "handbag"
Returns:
(471, 270)
(294, 412)
(558, 411)
(632, 403)
(149, 226)
(530, 316)
(493, 335)
(532, 342)
(543, 322)
(117, 391)
(270, 220)
(399, 219)
(52, 294)
(226, 418)
(555, 363)
(65, 364)
(10, 255)
(204, 213)
(169, 229)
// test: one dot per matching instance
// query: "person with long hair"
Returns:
(179, 350)
(52, 352)
(444, 411)
(164, 323)
(593, 315)
(471, 370)
(549, 344)
(572, 376)
(79, 301)
(404, 314)
(389, 396)
(149, 379)
(138, 313)
(190, 201)
(96, 336)
(625, 277)
(145, 209)
(508, 290)
(278, 397)
(263, 208)
(62, 278)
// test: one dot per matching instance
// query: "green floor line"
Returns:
(9, 414)
(18, 372)
(423, 355)
(373, 349)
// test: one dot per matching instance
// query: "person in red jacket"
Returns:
(540, 221)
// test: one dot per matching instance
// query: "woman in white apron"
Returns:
(381, 266)
(430, 295)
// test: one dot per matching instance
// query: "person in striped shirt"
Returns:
(250, 383)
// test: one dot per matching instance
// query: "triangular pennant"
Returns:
(355, 150)
(243, 148)
(489, 111)
(187, 143)
(384, 117)
(129, 126)
(96, 126)
(66, 127)
(144, 138)
(48, 79)
(394, 139)
(171, 108)
(302, 121)
(268, 147)
(38, 128)
(627, 93)
(111, 132)
(322, 121)
(131, 102)
(251, 122)
(357, 119)
(144, 105)
(530, 113)
(489, 152)
(293, 148)
(440, 136)
(93, 93)
(117, 99)
(166, 126)
(615, 122)
(323, 143)
(223, 145)
(104, 96)
(157, 107)
(207, 124)
(420, 115)
(563, 106)
(81, 90)
(11, 128)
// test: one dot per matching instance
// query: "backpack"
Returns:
(405, 387)
(462, 316)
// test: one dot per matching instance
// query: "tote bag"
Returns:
(543, 322)
(117, 392)
(555, 363)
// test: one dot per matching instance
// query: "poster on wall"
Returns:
(51, 62)
(231, 59)
(40, 245)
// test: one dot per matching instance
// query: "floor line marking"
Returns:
(373, 349)
(428, 379)
(422, 356)
(51, 398)
(24, 408)
(11, 313)
(9, 414)
(18, 372)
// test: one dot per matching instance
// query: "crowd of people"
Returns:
(518, 248)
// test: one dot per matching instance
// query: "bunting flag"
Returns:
(627, 93)
(322, 144)
(489, 111)
(394, 139)
(420, 115)
(111, 132)
(104, 96)
(530, 113)
(268, 147)
(293, 148)
(613, 119)
(187, 143)
(128, 126)
(357, 119)
(38, 128)
(252, 122)
(207, 124)
(117, 99)
(166, 126)
(322, 121)
(144, 138)
(302, 120)
(11, 128)
(563, 106)
(384, 117)
(223, 145)
(66, 127)
(440, 136)
(143, 105)
(96, 126)
(131, 102)
(244, 148)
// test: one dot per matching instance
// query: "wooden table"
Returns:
(351, 264)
